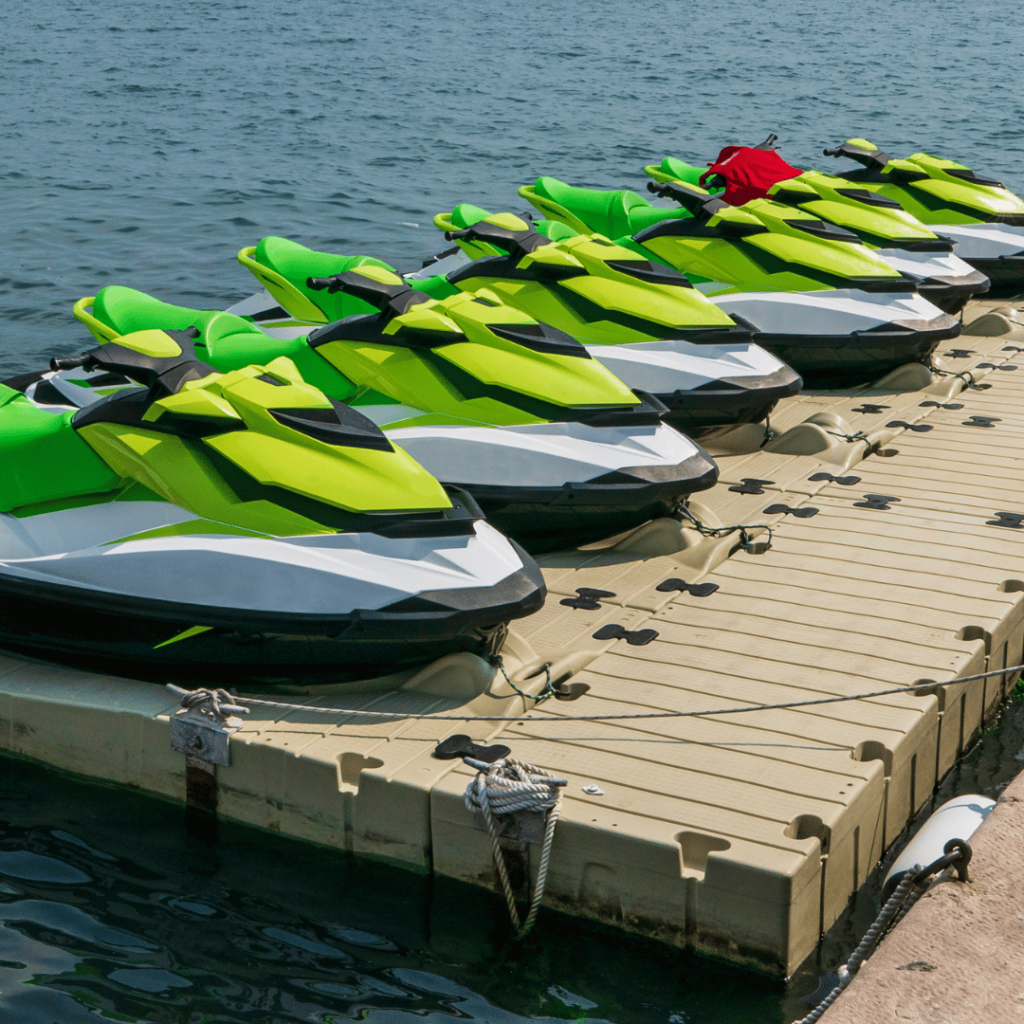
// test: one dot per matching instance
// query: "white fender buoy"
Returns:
(955, 819)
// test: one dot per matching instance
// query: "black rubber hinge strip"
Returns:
(697, 589)
(800, 513)
(588, 599)
(1011, 520)
(876, 501)
(845, 481)
(635, 638)
(750, 485)
(461, 745)
(920, 428)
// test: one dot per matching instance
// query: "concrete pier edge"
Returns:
(958, 955)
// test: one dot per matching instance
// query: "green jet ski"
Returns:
(821, 301)
(163, 520)
(576, 455)
(981, 216)
(643, 320)
(743, 173)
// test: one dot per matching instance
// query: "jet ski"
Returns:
(644, 322)
(744, 173)
(983, 217)
(578, 455)
(820, 300)
(160, 519)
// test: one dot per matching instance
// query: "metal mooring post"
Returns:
(200, 730)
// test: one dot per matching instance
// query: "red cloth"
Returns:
(749, 173)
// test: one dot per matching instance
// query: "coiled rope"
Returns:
(510, 785)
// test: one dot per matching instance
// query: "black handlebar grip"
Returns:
(654, 187)
(830, 152)
(69, 362)
(450, 236)
(318, 284)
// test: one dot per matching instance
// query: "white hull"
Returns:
(836, 312)
(91, 548)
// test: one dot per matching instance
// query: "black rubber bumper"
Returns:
(1005, 272)
(951, 294)
(544, 518)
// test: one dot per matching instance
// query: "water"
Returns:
(144, 145)
(108, 907)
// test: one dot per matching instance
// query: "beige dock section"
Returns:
(895, 558)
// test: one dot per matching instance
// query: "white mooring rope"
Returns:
(510, 785)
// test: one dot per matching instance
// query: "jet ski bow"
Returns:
(161, 519)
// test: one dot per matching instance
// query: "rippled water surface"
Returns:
(144, 145)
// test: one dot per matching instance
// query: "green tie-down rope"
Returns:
(723, 531)
(549, 691)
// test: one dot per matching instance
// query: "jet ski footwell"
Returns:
(891, 563)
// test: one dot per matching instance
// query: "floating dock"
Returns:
(895, 557)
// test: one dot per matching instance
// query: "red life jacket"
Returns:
(749, 173)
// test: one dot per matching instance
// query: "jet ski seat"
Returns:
(613, 214)
(230, 341)
(116, 311)
(32, 442)
(679, 170)
(282, 267)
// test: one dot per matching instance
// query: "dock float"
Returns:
(878, 543)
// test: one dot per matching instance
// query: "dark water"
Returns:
(144, 145)
(107, 907)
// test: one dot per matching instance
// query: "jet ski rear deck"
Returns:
(891, 563)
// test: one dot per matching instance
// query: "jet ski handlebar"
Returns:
(694, 201)
(866, 157)
(518, 242)
(163, 374)
(86, 361)
(393, 298)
